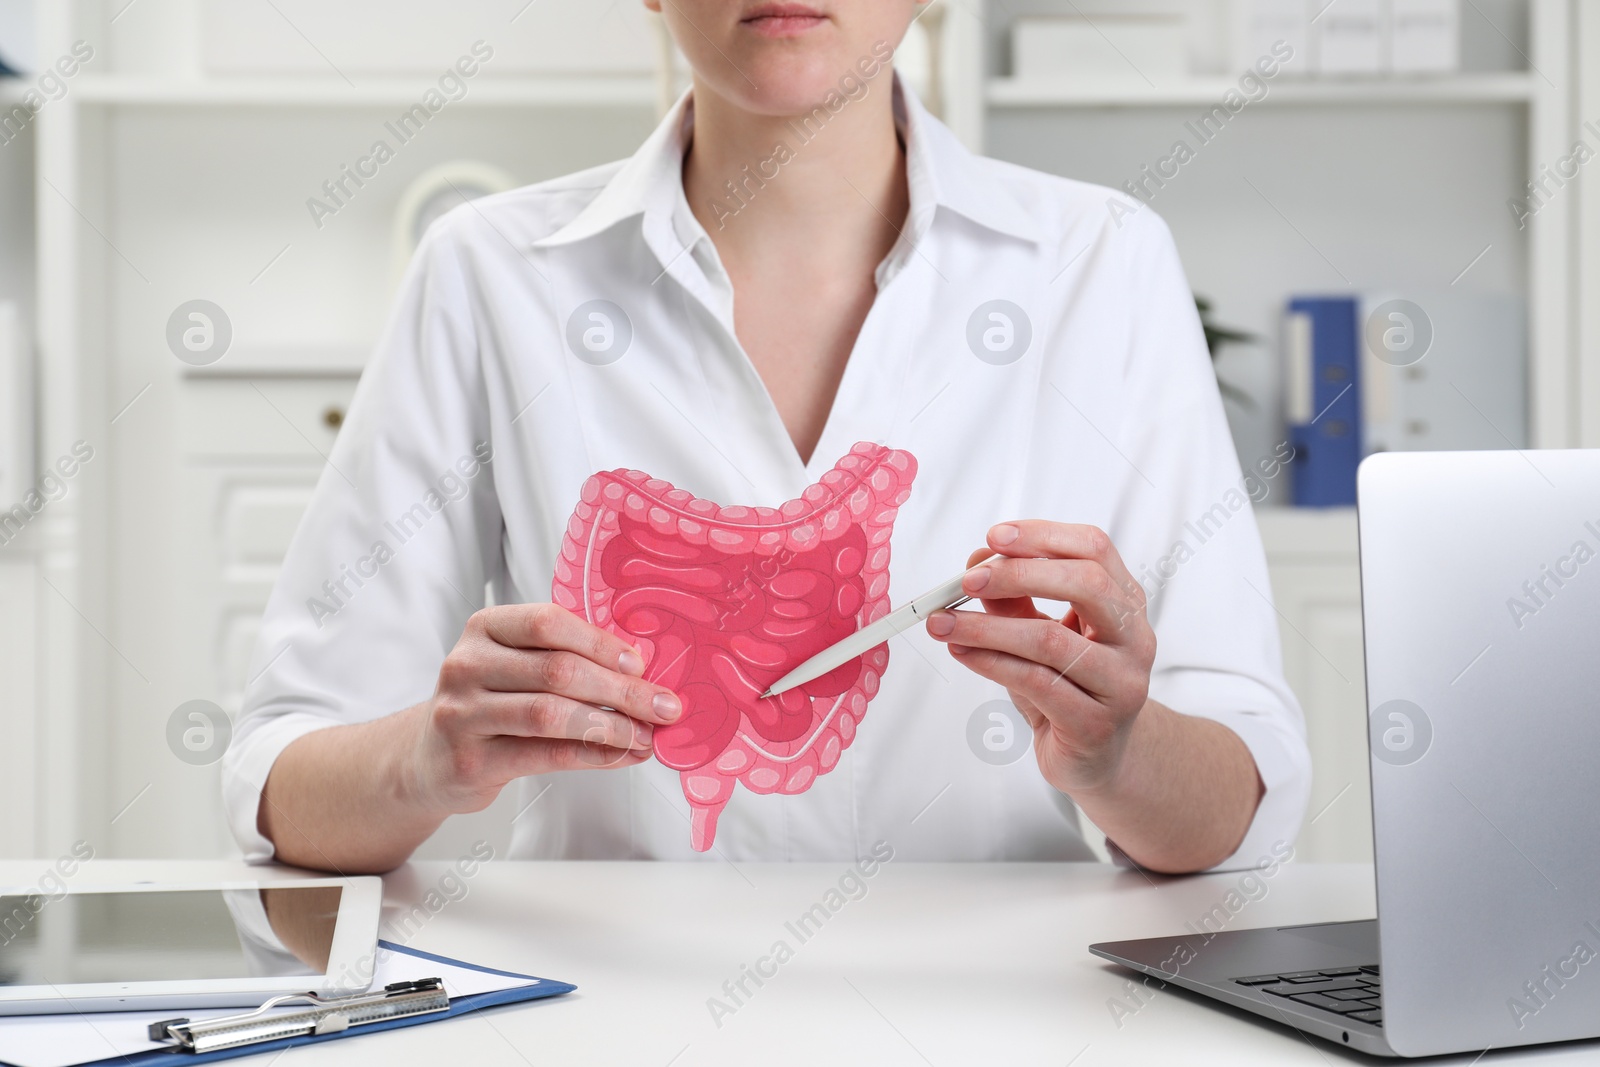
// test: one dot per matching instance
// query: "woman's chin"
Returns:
(792, 86)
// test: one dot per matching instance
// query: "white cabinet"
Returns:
(205, 515)
(252, 454)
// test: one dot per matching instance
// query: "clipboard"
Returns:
(518, 988)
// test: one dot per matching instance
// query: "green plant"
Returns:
(1216, 337)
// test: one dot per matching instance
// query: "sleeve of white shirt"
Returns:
(393, 554)
(1190, 536)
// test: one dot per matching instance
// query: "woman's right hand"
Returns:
(531, 688)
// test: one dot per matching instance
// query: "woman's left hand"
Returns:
(1080, 681)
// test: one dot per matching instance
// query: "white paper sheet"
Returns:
(64, 1040)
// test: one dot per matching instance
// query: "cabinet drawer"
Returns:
(266, 418)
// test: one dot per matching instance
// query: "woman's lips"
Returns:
(783, 20)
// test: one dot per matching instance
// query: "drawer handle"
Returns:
(333, 418)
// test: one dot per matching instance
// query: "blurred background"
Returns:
(199, 241)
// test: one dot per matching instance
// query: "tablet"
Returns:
(197, 945)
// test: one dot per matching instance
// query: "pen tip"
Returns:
(765, 695)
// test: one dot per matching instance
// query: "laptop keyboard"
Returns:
(1349, 992)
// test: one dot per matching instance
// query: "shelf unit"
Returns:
(1462, 89)
(1542, 95)
(559, 92)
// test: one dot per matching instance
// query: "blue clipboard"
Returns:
(458, 1006)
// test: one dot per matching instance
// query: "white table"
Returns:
(935, 964)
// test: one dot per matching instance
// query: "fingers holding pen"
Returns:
(1101, 649)
(1026, 654)
(1064, 562)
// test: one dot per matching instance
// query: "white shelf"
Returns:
(557, 91)
(1510, 88)
(304, 362)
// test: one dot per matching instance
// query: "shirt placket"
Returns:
(737, 419)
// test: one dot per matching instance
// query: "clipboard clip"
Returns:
(326, 1015)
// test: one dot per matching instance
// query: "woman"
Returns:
(799, 259)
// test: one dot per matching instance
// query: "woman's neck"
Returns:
(826, 187)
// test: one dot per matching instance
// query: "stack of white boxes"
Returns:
(1353, 37)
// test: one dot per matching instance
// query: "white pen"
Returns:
(944, 595)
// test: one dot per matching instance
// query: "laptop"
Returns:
(1480, 593)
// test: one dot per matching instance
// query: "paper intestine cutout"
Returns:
(723, 600)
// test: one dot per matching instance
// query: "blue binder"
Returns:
(458, 1006)
(1327, 437)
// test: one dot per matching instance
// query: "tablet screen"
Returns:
(167, 935)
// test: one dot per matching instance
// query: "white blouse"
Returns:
(1033, 346)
